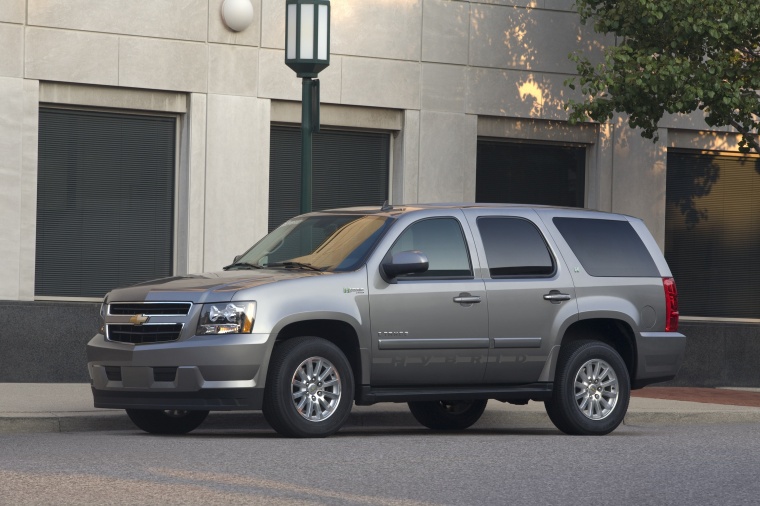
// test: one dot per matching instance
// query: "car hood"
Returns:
(206, 287)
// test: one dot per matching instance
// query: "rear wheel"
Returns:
(168, 421)
(310, 388)
(448, 415)
(591, 390)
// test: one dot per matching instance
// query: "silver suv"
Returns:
(439, 306)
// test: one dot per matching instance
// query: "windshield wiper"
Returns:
(300, 265)
(242, 265)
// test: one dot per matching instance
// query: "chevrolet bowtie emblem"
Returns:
(139, 319)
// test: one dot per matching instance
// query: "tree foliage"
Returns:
(673, 56)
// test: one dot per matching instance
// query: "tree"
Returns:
(673, 56)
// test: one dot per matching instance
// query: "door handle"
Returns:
(466, 298)
(555, 297)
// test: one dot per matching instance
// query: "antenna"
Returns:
(386, 206)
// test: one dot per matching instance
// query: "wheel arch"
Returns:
(339, 332)
(614, 332)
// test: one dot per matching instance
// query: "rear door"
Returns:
(531, 298)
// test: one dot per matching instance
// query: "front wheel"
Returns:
(591, 390)
(168, 421)
(309, 389)
(448, 415)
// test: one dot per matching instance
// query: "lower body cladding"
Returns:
(212, 373)
(660, 355)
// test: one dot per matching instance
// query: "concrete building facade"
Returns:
(436, 76)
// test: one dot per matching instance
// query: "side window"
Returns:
(514, 247)
(442, 241)
(607, 248)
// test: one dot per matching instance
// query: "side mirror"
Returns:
(403, 262)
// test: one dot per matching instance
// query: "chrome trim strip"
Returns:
(433, 344)
(516, 342)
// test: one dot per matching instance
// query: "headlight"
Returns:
(227, 318)
(103, 308)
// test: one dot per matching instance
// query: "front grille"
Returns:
(140, 334)
(150, 308)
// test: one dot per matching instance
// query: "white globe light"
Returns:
(237, 14)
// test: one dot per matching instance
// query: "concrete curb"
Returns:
(399, 419)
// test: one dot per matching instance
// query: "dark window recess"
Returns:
(349, 169)
(607, 248)
(545, 174)
(164, 373)
(712, 233)
(514, 247)
(105, 201)
(442, 241)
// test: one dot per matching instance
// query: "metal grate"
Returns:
(150, 308)
(141, 334)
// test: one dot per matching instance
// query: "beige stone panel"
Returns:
(11, 50)
(13, 11)
(599, 176)
(693, 121)
(168, 19)
(118, 98)
(196, 191)
(278, 81)
(381, 83)
(556, 95)
(376, 28)
(11, 143)
(443, 87)
(639, 168)
(406, 160)
(704, 140)
(218, 31)
(233, 70)
(513, 3)
(493, 92)
(273, 23)
(346, 116)
(445, 31)
(28, 188)
(80, 57)
(530, 39)
(163, 64)
(448, 146)
(537, 130)
(237, 177)
(559, 5)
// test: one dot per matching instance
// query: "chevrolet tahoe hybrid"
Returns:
(440, 306)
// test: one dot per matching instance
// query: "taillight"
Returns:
(671, 304)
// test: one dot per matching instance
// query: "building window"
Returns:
(712, 233)
(105, 201)
(521, 173)
(350, 168)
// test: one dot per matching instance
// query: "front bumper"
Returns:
(203, 372)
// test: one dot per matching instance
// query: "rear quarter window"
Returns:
(607, 248)
(514, 247)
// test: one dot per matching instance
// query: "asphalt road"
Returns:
(690, 464)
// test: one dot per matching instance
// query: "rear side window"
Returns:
(514, 247)
(442, 241)
(607, 248)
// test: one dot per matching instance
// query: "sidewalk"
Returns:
(67, 407)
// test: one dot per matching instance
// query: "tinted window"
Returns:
(442, 241)
(514, 247)
(607, 248)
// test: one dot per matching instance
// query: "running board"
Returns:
(534, 391)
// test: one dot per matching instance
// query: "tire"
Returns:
(581, 407)
(300, 403)
(166, 421)
(448, 415)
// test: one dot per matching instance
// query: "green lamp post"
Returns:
(307, 52)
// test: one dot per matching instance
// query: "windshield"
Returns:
(323, 242)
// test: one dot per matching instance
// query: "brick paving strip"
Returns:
(705, 395)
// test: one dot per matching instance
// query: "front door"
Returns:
(431, 328)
